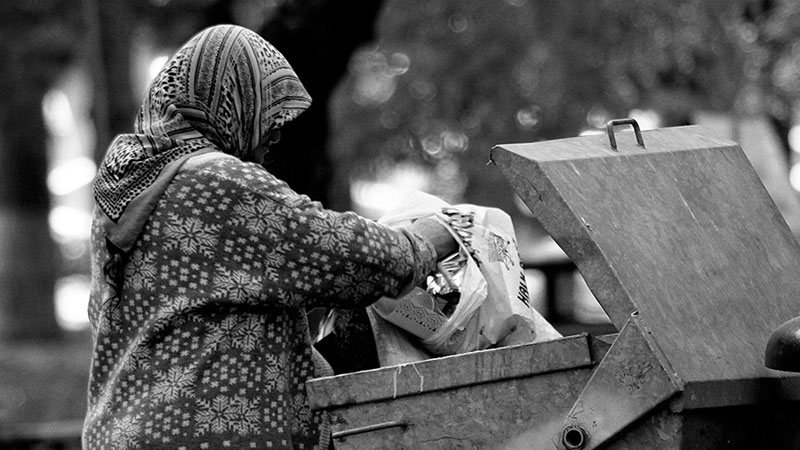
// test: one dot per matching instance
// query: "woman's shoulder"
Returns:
(223, 167)
(228, 175)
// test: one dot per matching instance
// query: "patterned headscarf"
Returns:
(224, 90)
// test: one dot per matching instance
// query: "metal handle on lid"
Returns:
(610, 128)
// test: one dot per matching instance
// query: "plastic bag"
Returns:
(493, 305)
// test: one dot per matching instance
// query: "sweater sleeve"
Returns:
(307, 255)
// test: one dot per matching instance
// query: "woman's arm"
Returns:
(311, 256)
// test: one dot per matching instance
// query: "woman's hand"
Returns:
(437, 234)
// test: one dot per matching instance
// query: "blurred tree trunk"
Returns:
(27, 256)
(93, 59)
(35, 45)
(110, 59)
(318, 37)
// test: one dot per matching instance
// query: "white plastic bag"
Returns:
(493, 304)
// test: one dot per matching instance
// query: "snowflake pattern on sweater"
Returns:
(207, 346)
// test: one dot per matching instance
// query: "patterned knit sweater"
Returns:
(208, 345)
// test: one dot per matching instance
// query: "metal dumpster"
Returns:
(680, 243)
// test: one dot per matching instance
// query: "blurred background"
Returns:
(407, 95)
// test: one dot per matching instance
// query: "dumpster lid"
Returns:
(676, 226)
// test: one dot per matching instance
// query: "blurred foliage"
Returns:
(447, 80)
(444, 81)
(38, 39)
(298, 28)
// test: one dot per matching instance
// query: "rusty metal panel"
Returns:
(751, 391)
(478, 417)
(681, 231)
(773, 427)
(449, 372)
(660, 430)
(679, 242)
(630, 382)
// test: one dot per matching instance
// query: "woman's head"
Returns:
(226, 89)
(227, 84)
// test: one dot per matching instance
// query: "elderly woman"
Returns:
(204, 263)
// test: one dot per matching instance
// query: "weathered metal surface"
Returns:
(600, 345)
(771, 427)
(660, 430)
(752, 391)
(677, 240)
(449, 372)
(683, 232)
(629, 383)
(731, 428)
(476, 417)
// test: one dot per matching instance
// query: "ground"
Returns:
(43, 391)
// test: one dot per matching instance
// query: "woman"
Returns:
(204, 263)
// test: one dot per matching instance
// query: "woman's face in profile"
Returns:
(272, 138)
